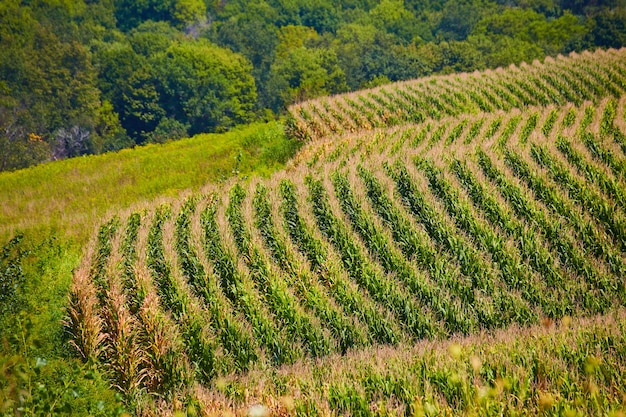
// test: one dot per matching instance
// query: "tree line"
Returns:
(89, 76)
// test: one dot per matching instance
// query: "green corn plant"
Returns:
(528, 86)
(241, 296)
(567, 94)
(518, 92)
(493, 127)
(437, 134)
(231, 336)
(421, 135)
(577, 86)
(456, 132)
(174, 299)
(508, 130)
(474, 130)
(134, 294)
(273, 288)
(529, 127)
(586, 121)
(607, 121)
(415, 115)
(548, 125)
(361, 270)
(381, 329)
(588, 82)
(509, 308)
(569, 119)
(495, 101)
(512, 272)
(342, 328)
(553, 96)
(101, 257)
(606, 78)
(586, 232)
(483, 104)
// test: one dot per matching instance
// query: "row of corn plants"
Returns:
(194, 323)
(312, 295)
(505, 307)
(231, 334)
(129, 259)
(273, 286)
(395, 263)
(362, 271)
(121, 353)
(380, 328)
(242, 293)
(98, 271)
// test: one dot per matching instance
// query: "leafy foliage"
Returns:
(81, 77)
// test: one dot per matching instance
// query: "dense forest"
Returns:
(89, 76)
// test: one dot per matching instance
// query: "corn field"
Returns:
(451, 245)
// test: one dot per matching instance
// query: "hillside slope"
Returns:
(71, 196)
(432, 228)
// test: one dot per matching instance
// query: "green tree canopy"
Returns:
(204, 86)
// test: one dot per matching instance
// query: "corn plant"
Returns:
(102, 254)
(493, 127)
(129, 258)
(474, 130)
(607, 121)
(567, 93)
(548, 124)
(569, 119)
(173, 298)
(456, 132)
(124, 357)
(241, 296)
(509, 129)
(353, 302)
(273, 288)
(231, 336)
(471, 263)
(529, 127)
(360, 268)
